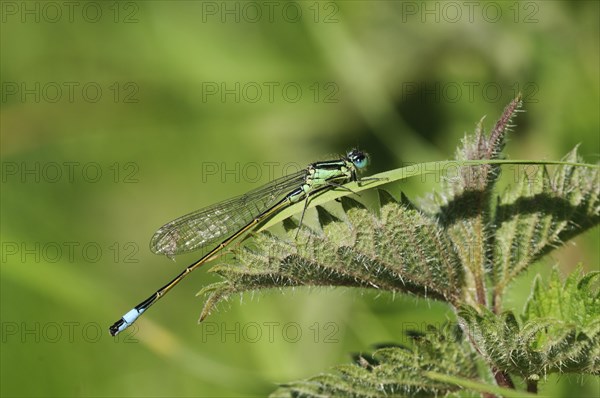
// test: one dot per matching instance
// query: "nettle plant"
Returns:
(463, 246)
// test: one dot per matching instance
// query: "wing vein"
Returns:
(204, 227)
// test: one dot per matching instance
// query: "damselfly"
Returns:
(226, 221)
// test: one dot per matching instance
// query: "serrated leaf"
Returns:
(539, 214)
(398, 371)
(402, 250)
(574, 301)
(558, 332)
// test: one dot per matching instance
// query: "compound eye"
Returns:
(358, 158)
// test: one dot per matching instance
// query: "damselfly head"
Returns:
(359, 158)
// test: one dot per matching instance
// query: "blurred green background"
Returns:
(117, 117)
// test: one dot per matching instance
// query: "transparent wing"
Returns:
(211, 224)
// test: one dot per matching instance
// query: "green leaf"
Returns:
(571, 301)
(401, 250)
(539, 214)
(399, 371)
(559, 331)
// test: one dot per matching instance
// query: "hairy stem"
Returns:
(496, 302)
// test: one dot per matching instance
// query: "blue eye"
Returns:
(362, 163)
(358, 158)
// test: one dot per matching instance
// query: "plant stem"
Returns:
(532, 386)
(503, 379)
(496, 302)
(481, 298)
